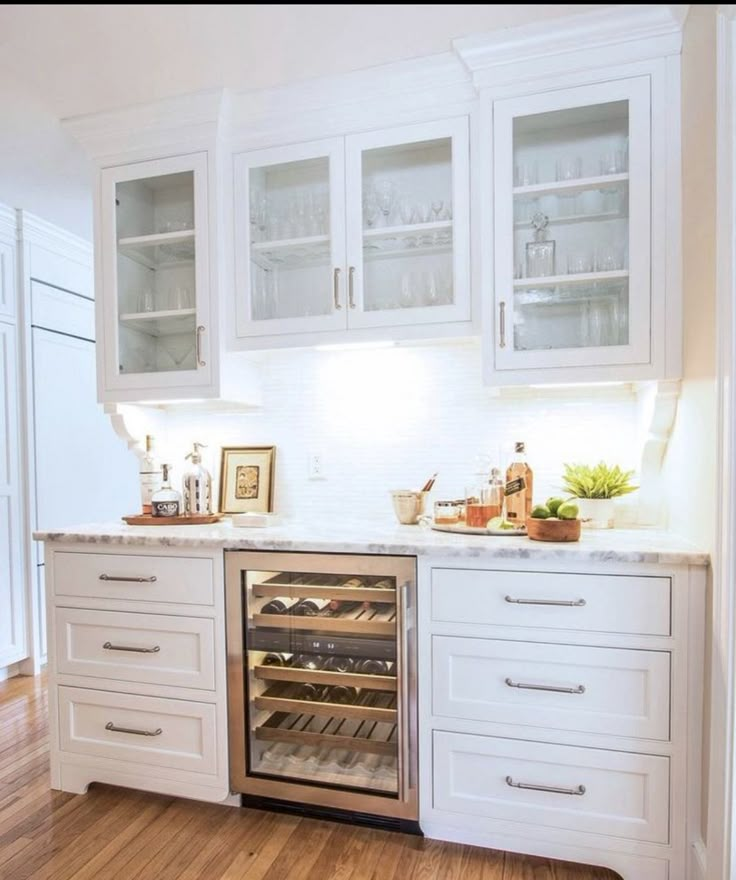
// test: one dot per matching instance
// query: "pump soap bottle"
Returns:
(197, 485)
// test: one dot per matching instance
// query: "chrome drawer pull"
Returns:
(127, 580)
(108, 646)
(580, 689)
(567, 603)
(551, 788)
(111, 726)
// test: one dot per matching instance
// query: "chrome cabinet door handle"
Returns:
(578, 689)
(565, 603)
(200, 362)
(111, 726)
(502, 324)
(108, 646)
(351, 287)
(579, 790)
(129, 580)
(336, 288)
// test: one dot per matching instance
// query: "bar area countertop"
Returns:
(385, 537)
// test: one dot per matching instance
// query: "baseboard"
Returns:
(10, 671)
(698, 860)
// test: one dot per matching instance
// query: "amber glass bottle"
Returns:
(519, 488)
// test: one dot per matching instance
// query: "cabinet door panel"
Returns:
(7, 279)
(290, 239)
(158, 333)
(409, 225)
(572, 216)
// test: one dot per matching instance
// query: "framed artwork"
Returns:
(246, 479)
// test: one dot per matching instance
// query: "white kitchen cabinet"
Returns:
(366, 231)
(157, 330)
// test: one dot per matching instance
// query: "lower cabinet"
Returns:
(561, 712)
(137, 687)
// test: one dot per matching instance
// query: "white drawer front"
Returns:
(152, 648)
(187, 740)
(142, 578)
(623, 795)
(598, 690)
(594, 602)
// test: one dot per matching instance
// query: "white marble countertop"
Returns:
(384, 536)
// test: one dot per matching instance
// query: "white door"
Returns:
(408, 225)
(158, 336)
(290, 239)
(12, 588)
(572, 180)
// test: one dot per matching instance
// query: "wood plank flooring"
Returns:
(117, 834)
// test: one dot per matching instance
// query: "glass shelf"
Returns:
(562, 219)
(416, 239)
(170, 322)
(292, 252)
(578, 184)
(159, 249)
(578, 279)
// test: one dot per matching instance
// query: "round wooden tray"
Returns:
(462, 529)
(553, 529)
(195, 519)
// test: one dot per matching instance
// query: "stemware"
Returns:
(568, 168)
(437, 205)
(385, 191)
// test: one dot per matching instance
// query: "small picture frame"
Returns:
(246, 479)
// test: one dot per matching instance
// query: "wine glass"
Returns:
(437, 205)
(385, 191)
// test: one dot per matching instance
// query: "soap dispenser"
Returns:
(197, 485)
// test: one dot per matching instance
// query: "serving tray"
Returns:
(461, 529)
(194, 519)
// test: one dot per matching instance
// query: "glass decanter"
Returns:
(540, 253)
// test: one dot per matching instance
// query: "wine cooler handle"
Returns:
(566, 603)
(111, 726)
(579, 689)
(108, 646)
(551, 788)
(129, 580)
(336, 288)
(408, 781)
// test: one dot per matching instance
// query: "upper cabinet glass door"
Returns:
(408, 225)
(154, 222)
(289, 249)
(572, 226)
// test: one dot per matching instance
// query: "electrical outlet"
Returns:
(315, 466)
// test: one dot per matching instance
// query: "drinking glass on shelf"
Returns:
(146, 300)
(371, 209)
(447, 211)
(422, 212)
(406, 211)
(429, 288)
(526, 174)
(568, 168)
(407, 294)
(608, 258)
(613, 162)
(579, 262)
(181, 298)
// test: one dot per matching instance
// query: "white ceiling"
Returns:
(81, 59)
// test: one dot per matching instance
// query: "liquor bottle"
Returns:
(197, 485)
(341, 694)
(279, 605)
(519, 488)
(166, 501)
(275, 659)
(310, 607)
(339, 664)
(149, 473)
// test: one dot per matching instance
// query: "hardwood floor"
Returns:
(117, 834)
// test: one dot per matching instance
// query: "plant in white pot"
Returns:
(595, 487)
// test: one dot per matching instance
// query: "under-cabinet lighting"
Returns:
(355, 346)
(579, 385)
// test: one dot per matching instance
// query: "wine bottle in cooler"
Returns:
(279, 605)
(342, 694)
(310, 607)
(274, 658)
(519, 488)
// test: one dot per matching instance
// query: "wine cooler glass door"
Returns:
(323, 673)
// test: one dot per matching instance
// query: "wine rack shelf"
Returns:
(321, 676)
(381, 624)
(321, 591)
(285, 701)
(309, 730)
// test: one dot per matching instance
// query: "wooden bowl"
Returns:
(553, 529)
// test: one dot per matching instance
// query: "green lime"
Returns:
(554, 505)
(568, 510)
(507, 526)
(495, 523)
(541, 512)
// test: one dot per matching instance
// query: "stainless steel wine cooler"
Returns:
(322, 680)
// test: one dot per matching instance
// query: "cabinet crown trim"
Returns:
(34, 230)
(587, 40)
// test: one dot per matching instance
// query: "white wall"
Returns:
(42, 169)
(388, 419)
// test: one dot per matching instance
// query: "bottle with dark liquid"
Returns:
(310, 607)
(280, 605)
(313, 693)
(275, 659)
(519, 488)
(371, 666)
(309, 661)
(341, 607)
(341, 694)
(339, 664)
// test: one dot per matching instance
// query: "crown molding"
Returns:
(587, 40)
(156, 126)
(33, 230)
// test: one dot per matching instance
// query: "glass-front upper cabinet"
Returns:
(155, 258)
(408, 225)
(289, 239)
(572, 183)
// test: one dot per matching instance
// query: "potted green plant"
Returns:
(595, 487)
